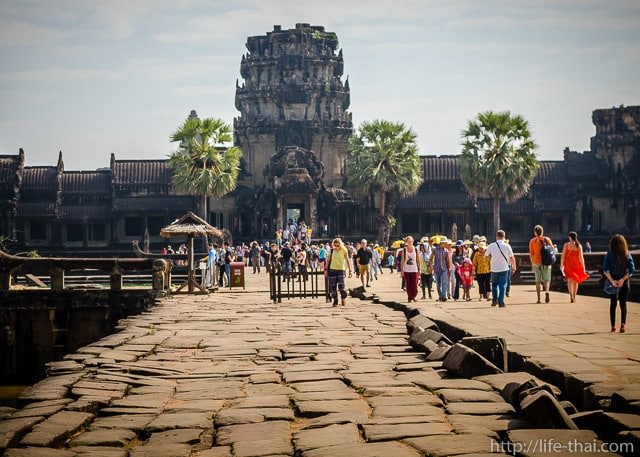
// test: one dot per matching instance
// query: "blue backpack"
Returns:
(548, 254)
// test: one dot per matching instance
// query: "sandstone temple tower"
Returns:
(294, 131)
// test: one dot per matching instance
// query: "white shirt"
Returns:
(499, 262)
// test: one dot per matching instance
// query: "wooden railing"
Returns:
(55, 268)
(311, 284)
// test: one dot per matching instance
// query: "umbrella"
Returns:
(190, 225)
(397, 244)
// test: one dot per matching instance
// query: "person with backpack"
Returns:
(542, 256)
(503, 264)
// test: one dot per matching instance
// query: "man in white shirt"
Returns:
(502, 257)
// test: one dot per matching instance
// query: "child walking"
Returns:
(465, 271)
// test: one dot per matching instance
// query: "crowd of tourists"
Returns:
(438, 267)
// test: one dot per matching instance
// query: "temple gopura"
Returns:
(294, 131)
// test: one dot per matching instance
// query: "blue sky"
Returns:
(96, 77)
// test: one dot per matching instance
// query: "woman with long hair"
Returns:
(410, 268)
(618, 267)
(337, 264)
(572, 265)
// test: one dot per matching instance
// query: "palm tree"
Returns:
(497, 158)
(383, 160)
(200, 165)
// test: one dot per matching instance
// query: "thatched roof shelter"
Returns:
(191, 226)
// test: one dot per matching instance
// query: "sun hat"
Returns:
(482, 245)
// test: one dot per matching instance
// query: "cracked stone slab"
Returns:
(388, 432)
(376, 420)
(450, 444)
(181, 435)
(407, 410)
(114, 437)
(311, 375)
(167, 421)
(135, 422)
(56, 429)
(152, 401)
(164, 450)
(252, 415)
(272, 447)
(318, 407)
(382, 449)
(331, 435)
(217, 451)
(480, 408)
(262, 431)
(324, 395)
(101, 451)
(454, 395)
(12, 430)
(424, 399)
(37, 452)
(265, 401)
(354, 417)
(321, 386)
(464, 423)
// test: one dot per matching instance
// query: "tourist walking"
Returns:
(212, 257)
(440, 262)
(426, 269)
(451, 274)
(541, 271)
(502, 257)
(482, 270)
(572, 265)
(375, 264)
(457, 259)
(409, 268)
(338, 263)
(254, 253)
(618, 267)
(465, 271)
(363, 263)
(228, 258)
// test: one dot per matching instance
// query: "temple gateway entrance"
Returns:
(296, 212)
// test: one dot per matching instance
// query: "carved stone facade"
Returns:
(293, 129)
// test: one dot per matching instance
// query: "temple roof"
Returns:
(37, 209)
(443, 168)
(141, 172)
(40, 179)
(82, 182)
(552, 172)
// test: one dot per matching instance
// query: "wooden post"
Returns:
(192, 278)
(115, 278)
(57, 279)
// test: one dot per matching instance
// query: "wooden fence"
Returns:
(311, 284)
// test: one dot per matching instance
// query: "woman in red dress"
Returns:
(572, 265)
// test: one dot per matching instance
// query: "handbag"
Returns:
(609, 289)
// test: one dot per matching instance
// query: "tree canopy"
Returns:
(498, 158)
(384, 159)
(201, 165)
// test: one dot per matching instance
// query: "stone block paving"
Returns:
(233, 375)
